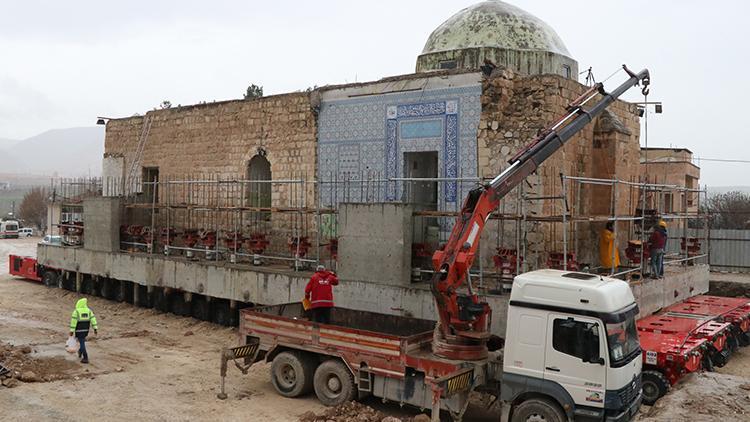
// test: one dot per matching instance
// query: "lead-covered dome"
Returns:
(501, 33)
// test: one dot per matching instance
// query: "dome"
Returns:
(502, 34)
(494, 24)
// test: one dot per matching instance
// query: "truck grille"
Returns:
(629, 393)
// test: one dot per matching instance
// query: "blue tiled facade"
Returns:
(365, 138)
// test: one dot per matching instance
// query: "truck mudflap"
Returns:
(247, 352)
(456, 382)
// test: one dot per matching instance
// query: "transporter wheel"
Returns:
(161, 300)
(69, 283)
(720, 359)
(334, 383)
(108, 288)
(50, 278)
(120, 292)
(201, 308)
(733, 341)
(179, 306)
(292, 374)
(221, 312)
(87, 286)
(655, 385)
(708, 364)
(538, 410)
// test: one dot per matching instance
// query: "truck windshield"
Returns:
(622, 339)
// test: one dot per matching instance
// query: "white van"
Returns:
(9, 229)
(25, 232)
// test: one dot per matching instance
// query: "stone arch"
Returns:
(259, 169)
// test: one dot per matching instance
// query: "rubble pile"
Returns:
(355, 412)
(20, 366)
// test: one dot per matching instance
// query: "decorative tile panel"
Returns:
(366, 137)
(421, 129)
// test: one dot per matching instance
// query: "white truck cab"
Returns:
(571, 342)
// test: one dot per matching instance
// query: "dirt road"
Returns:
(144, 365)
(151, 366)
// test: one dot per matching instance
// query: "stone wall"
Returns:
(216, 141)
(219, 139)
(514, 110)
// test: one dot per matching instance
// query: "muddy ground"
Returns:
(144, 365)
(151, 366)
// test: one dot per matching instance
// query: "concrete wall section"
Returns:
(271, 287)
(102, 224)
(678, 284)
(268, 287)
(375, 242)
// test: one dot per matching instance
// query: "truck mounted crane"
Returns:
(571, 343)
(463, 327)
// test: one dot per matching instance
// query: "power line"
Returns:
(722, 160)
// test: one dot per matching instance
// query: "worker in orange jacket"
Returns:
(609, 256)
(319, 291)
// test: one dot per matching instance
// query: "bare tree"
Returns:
(729, 210)
(33, 207)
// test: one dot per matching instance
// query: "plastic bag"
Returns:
(306, 305)
(71, 346)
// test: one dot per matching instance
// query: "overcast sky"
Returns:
(64, 63)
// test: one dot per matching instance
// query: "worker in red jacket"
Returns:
(319, 291)
(657, 244)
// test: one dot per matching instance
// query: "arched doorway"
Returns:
(259, 194)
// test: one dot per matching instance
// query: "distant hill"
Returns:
(71, 152)
(5, 143)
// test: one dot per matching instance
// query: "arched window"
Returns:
(259, 194)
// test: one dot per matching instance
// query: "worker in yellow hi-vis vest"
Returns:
(609, 256)
(82, 319)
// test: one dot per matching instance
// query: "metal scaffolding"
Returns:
(293, 222)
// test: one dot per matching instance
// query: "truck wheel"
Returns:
(655, 385)
(292, 374)
(334, 383)
(50, 279)
(538, 410)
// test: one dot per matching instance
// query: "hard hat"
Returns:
(662, 223)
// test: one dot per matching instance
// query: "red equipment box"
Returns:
(23, 266)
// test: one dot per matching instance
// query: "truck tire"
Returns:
(538, 410)
(334, 383)
(655, 385)
(50, 278)
(292, 374)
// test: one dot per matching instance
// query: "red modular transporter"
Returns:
(666, 359)
(716, 333)
(735, 311)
